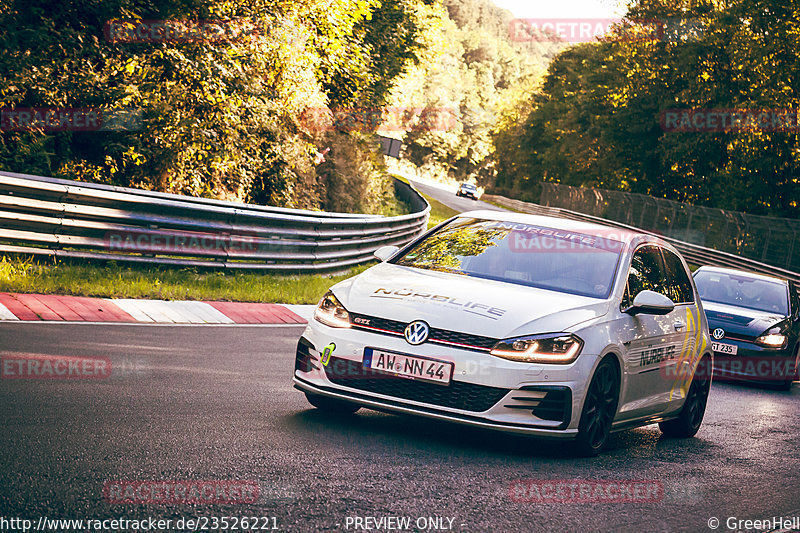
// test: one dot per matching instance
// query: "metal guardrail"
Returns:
(69, 219)
(698, 255)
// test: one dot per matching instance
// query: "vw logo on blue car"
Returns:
(718, 333)
(416, 332)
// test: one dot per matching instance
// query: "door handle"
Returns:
(679, 325)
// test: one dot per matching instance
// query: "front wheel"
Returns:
(694, 407)
(599, 409)
(331, 405)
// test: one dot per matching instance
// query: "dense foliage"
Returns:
(285, 112)
(597, 119)
(219, 118)
(476, 78)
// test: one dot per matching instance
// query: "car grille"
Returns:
(437, 336)
(737, 337)
(456, 395)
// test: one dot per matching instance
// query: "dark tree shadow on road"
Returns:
(372, 432)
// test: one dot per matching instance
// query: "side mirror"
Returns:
(651, 303)
(384, 253)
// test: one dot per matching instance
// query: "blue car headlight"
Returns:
(772, 339)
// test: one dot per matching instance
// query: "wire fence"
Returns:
(693, 253)
(770, 240)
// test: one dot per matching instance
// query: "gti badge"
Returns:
(416, 332)
(718, 333)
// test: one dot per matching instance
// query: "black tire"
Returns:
(331, 405)
(599, 409)
(691, 416)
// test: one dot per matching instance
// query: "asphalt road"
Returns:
(447, 196)
(216, 404)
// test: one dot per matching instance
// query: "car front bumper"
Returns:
(754, 363)
(485, 391)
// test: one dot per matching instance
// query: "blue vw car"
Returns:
(754, 321)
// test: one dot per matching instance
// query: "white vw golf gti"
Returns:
(518, 323)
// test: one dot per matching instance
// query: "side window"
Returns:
(646, 273)
(680, 287)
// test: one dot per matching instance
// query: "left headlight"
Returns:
(559, 348)
(332, 313)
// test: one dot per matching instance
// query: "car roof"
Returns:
(587, 228)
(746, 273)
(469, 185)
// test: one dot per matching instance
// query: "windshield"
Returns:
(523, 254)
(743, 291)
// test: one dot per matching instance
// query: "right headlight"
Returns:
(332, 313)
(553, 348)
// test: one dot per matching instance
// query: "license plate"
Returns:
(727, 349)
(409, 366)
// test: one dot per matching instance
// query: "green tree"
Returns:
(219, 118)
(595, 120)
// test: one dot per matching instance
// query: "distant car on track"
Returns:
(518, 323)
(469, 190)
(754, 322)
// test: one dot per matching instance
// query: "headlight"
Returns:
(559, 348)
(772, 340)
(331, 313)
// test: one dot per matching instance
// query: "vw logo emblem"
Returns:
(718, 333)
(416, 332)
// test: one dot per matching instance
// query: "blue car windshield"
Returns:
(524, 254)
(743, 291)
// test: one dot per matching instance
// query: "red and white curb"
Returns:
(57, 308)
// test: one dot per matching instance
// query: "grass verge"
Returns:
(439, 211)
(29, 275)
(498, 204)
(25, 274)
